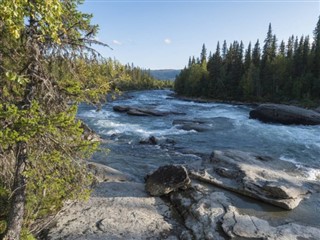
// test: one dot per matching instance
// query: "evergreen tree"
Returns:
(216, 86)
(203, 57)
(316, 60)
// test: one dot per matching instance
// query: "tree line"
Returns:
(262, 72)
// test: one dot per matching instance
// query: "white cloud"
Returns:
(167, 41)
(116, 42)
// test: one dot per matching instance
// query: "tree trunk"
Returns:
(15, 219)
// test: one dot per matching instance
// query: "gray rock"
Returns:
(117, 211)
(121, 108)
(202, 211)
(152, 140)
(103, 173)
(317, 109)
(285, 114)
(237, 226)
(136, 111)
(167, 179)
(188, 125)
(264, 178)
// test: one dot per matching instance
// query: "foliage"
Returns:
(46, 68)
(279, 74)
(128, 77)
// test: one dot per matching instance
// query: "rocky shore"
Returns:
(193, 202)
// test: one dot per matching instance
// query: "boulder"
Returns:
(264, 178)
(137, 111)
(285, 114)
(121, 108)
(152, 140)
(188, 125)
(167, 179)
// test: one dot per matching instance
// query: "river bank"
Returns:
(223, 126)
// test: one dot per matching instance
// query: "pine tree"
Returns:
(203, 57)
(316, 60)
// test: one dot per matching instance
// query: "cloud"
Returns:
(116, 42)
(167, 41)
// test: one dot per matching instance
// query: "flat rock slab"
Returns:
(264, 178)
(116, 211)
(285, 114)
(237, 226)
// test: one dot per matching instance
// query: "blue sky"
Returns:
(162, 34)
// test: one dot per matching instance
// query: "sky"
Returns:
(162, 34)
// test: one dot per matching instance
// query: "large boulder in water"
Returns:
(285, 114)
(167, 179)
(270, 180)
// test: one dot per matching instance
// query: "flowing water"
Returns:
(228, 127)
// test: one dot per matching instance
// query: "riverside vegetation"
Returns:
(47, 67)
(277, 73)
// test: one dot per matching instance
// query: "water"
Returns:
(228, 128)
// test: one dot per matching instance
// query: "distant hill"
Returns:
(165, 74)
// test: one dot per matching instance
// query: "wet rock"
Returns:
(117, 211)
(238, 226)
(136, 112)
(121, 108)
(167, 179)
(188, 125)
(285, 114)
(317, 109)
(267, 179)
(152, 140)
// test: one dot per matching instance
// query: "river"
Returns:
(227, 127)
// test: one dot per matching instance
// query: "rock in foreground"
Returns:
(264, 178)
(167, 179)
(116, 211)
(285, 114)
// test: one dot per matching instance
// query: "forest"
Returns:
(269, 71)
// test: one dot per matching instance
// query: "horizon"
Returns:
(163, 34)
